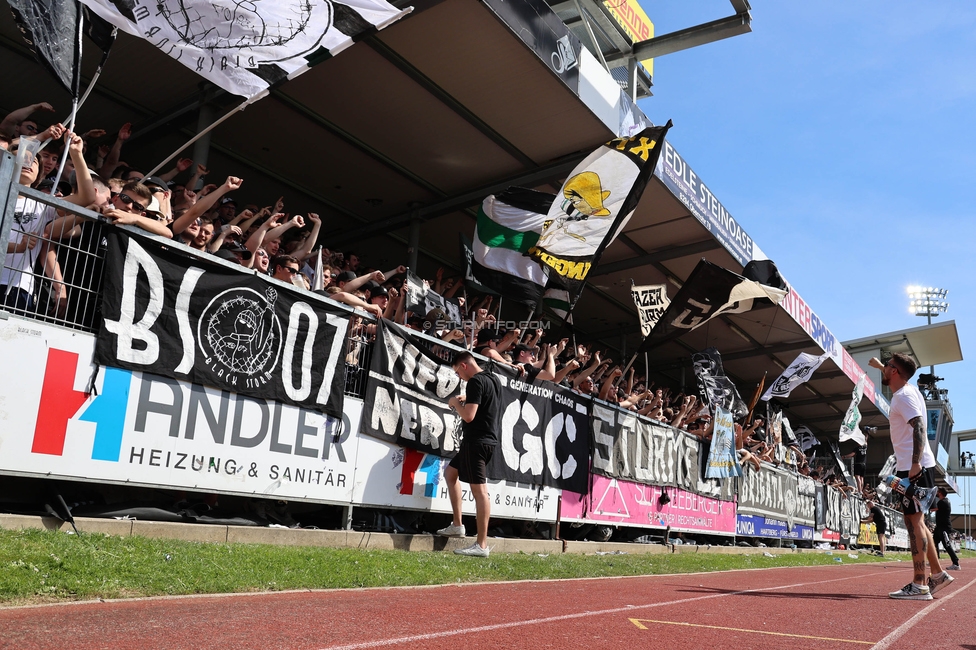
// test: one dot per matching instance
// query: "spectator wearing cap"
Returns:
(226, 209)
(160, 192)
(234, 252)
(380, 296)
(129, 209)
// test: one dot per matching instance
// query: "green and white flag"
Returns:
(850, 428)
(509, 224)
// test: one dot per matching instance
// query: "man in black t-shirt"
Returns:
(876, 515)
(943, 528)
(480, 411)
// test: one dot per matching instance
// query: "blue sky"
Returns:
(841, 136)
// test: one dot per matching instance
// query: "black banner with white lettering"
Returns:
(772, 492)
(544, 437)
(407, 392)
(178, 316)
(633, 448)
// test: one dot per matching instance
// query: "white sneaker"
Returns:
(473, 551)
(912, 591)
(939, 581)
(452, 531)
(953, 567)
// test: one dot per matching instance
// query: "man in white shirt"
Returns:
(915, 461)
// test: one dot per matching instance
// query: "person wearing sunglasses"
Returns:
(285, 268)
(128, 208)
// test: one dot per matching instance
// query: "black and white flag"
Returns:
(407, 394)
(171, 315)
(798, 372)
(719, 391)
(708, 292)
(422, 300)
(543, 437)
(651, 301)
(246, 47)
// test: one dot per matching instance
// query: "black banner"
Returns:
(177, 316)
(406, 396)
(632, 448)
(545, 435)
(772, 492)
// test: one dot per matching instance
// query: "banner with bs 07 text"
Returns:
(178, 316)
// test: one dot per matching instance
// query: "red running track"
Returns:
(844, 606)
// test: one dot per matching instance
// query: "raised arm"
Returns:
(10, 123)
(204, 204)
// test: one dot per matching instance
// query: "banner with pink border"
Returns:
(632, 504)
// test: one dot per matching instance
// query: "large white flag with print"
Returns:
(245, 47)
(798, 372)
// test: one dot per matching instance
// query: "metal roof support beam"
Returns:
(445, 98)
(554, 171)
(659, 256)
(683, 39)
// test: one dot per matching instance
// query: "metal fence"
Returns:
(52, 254)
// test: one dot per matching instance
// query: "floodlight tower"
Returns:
(928, 302)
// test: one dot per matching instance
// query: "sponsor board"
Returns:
(753, 526)
(73, 420)
(678, 176)
(390, 476)
(633, 504)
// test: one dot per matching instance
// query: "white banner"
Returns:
(245, 47)
(795, 374)
(652, 301)
(391, 476)
(142, 429)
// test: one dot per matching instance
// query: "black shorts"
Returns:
(471, 462)
(907, 503)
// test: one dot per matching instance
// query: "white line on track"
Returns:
(564, 617)
(900, 631)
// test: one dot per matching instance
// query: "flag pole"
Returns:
(207, 130)
(75, 88)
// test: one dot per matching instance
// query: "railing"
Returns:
(54, 274)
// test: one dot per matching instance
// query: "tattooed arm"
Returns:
(918, 444)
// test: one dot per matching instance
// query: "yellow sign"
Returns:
(636, 24)
(869, 535)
